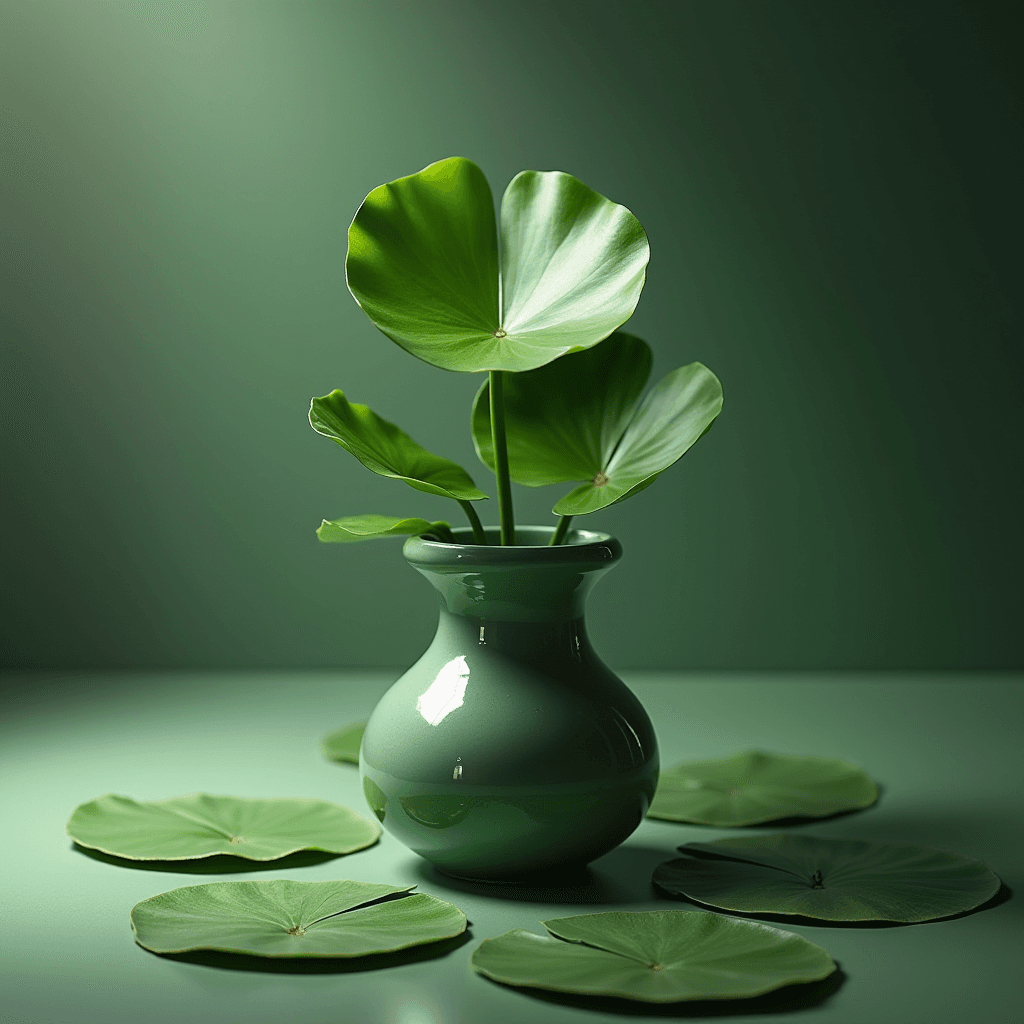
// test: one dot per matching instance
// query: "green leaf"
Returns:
(282, 918)
(564, 420)
(655, 956)
(350, 529)
(579, 419)
(830, 879)
(756, 786)
(200, 825)
(388, 451)
(423, 264)
(344, 743)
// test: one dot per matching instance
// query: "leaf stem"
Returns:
(474, 520)
(508, 526)
(558, 537)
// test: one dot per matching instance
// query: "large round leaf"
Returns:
(423, 264)
(830, 879)
(200, 825)
(388, 451)
(579, 419)
(343, 744)
(655, 956)
(282, 918)
(351, 529)
(756, 786)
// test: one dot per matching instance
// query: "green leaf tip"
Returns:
(423, 264)
(385, 449)
(581, 418)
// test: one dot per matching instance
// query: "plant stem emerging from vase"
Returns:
(474, 520)
(558, 537)
(508, 527)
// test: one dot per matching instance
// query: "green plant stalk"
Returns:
(508, 526)
(474, 520)
(558, 537)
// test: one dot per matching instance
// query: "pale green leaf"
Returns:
(282, 918)
(653, 956)
(830, 879)
(388, 451)
(201, 825)
(350, 529)
(343, 744)
(755, 786)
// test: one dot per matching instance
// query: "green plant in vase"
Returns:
(509, 747)
(562, 397)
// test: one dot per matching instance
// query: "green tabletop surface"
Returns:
(945, 750)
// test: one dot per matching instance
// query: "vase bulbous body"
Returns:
(509, 748)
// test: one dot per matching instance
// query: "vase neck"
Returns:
(546, 642)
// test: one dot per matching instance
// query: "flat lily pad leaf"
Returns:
(388, 451)
(654, 956)
(581, 418)
(829, 879)
(351, 529)
(282, 918)
(200, 825)
(423, 264)
(756, 786)
(344, 743)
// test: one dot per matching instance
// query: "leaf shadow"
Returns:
(218, 864)
(622, 876)
(788, 999)
(1002, 895)
(317, 965)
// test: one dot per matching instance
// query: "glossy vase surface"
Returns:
(509, 747)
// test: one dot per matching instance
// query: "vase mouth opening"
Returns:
(531, 548)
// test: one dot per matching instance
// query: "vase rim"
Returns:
(581, 548)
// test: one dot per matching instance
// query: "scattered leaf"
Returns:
(282, 918)
(423, 265)
(200, 825)
(581, 418)
(655, 956)
(343, 744)
(351, 529)
(829, 879)
(388, 451)
(756, 786)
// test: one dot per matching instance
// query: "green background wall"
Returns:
(830, 192)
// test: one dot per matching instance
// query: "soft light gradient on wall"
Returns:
(831, 196)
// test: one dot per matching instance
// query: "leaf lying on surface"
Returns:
(282, 918)
(655, 956)
(387, 450)
(344, 743)
(423, 264)
(582, 418)
(829, 879)
(756, 786)
(200, 825)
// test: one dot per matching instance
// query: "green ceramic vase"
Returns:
(509, 748)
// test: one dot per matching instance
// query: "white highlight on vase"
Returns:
(446, 692)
